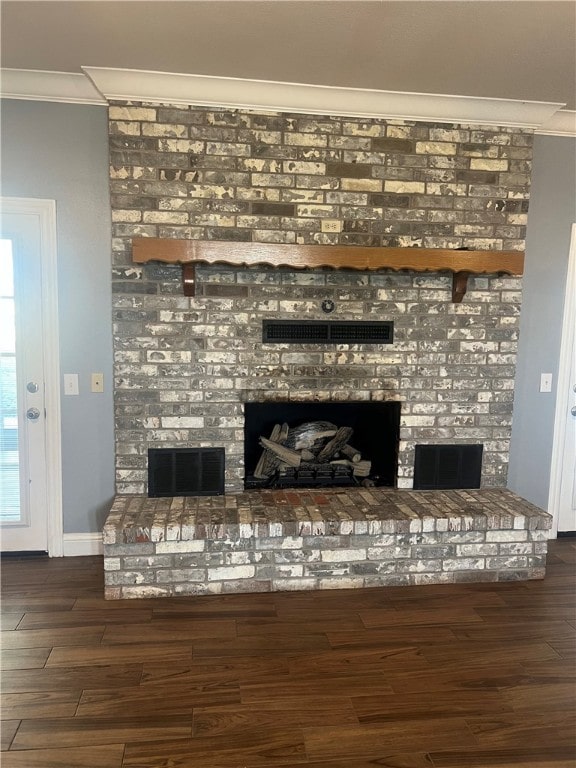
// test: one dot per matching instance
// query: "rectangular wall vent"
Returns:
(185, 472)
(327, 332)
(447, 466)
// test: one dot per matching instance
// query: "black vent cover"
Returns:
(185, 472)
(447, 466)
(327, 332)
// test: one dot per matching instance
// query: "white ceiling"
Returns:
(509, 49)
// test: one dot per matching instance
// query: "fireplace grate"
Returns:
(325, 475)
(185, 472)
(328, 332)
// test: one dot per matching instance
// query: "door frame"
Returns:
(563, 393)
(45, 213)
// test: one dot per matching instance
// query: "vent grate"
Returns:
(447, 467)
(185, 472)
(334, 332)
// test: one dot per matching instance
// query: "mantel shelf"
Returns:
(461, 263)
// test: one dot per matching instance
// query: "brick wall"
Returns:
(184, 367)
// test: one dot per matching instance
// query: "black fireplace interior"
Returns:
(376, 432)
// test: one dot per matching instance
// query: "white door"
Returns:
(27, 500)
(567, 508)
(562, 500)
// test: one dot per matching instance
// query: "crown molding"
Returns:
(235, 93)
(38, 85)
(99, 85)
(563, 123)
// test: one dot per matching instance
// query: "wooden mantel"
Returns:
(461, 263)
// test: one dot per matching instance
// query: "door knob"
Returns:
(573, 410)
(33, 414)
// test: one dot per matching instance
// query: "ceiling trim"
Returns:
(563, 123)
(39, 85)
(99, 85)
(236, 93)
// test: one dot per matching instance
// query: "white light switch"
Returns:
(545, 382)
(71, 384)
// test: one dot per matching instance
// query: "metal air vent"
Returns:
(327, 332)
(447, 466)
(185, 472)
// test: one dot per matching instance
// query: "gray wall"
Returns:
(552, 212)
(60, 152)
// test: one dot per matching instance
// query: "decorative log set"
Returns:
(316, 449)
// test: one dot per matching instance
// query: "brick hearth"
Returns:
(260, 541)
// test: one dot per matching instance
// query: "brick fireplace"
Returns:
(186, 367)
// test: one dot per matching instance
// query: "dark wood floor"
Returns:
(408, 677)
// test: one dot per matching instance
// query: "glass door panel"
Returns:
(23, 434)
(10, 508)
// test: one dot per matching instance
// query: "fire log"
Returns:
(309, 434)
(342, 463)
(351, 453)
(268, 461)
(333, 446)
(361, 468)
(293, 458)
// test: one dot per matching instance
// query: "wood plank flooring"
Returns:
(442, 676)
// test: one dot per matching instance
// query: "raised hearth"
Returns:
(274, 540)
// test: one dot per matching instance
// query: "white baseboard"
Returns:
(76, 544)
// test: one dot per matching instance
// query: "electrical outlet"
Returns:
(331, 225)
(545, 382)
(97, 382)
(71, 384)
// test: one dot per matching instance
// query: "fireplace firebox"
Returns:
(357, 443)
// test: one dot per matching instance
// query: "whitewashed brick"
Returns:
(405, 187)
(464, 564)
(179, 547)
(126, 128)
(143, 592)
(506, 536)
(132, 113)
(174, 575)
(435, 148)
(483, 164)
(163, 129)
(305, 139)
(472, 550)
(231, 572)
(361, 185)
(343, 555)
(210, 190)
(182, 422)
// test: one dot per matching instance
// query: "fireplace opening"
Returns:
(289, 444)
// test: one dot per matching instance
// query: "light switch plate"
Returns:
(71, 384)
(545, 382)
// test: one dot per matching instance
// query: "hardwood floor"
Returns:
(444, 676)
